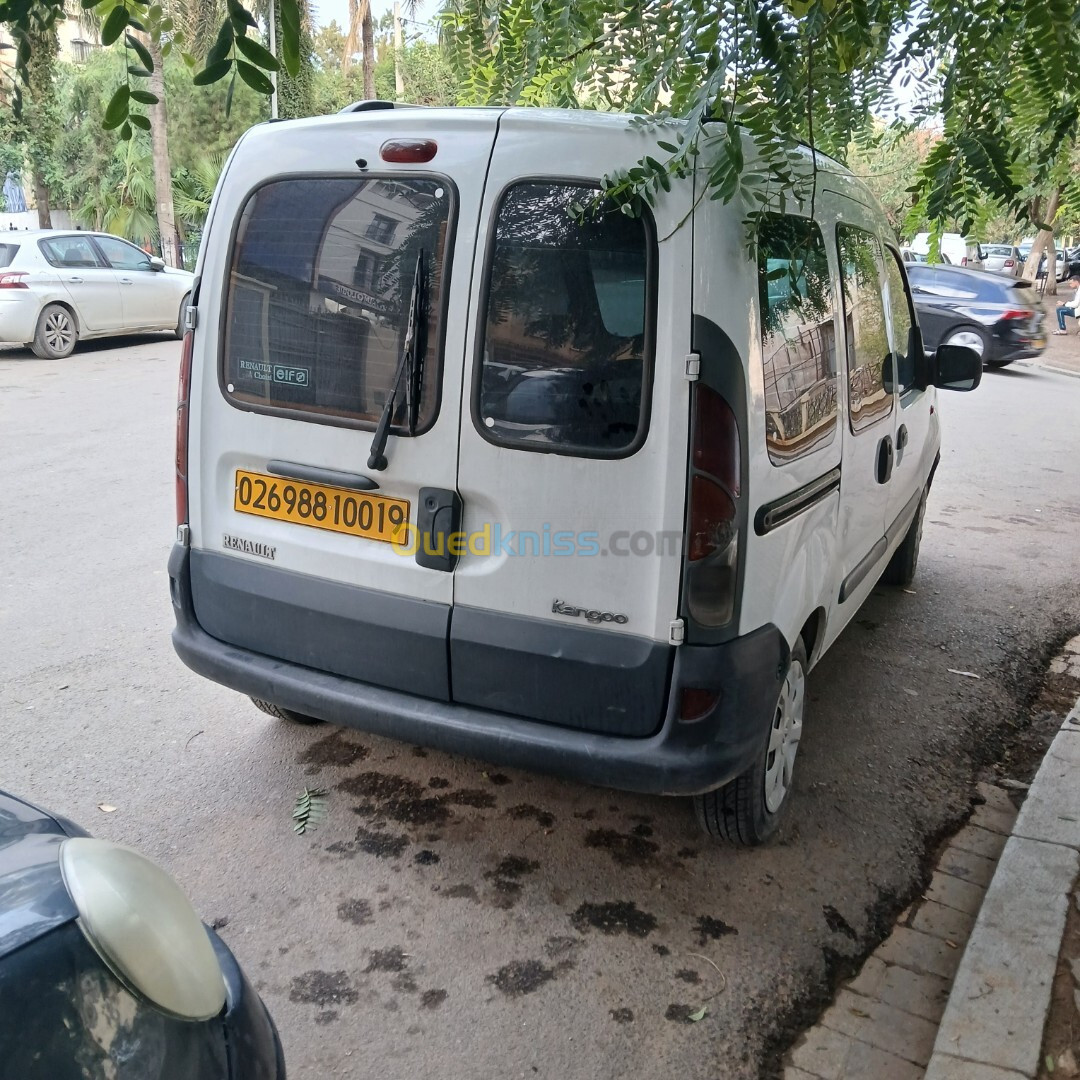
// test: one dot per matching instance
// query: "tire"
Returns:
(279, 713)
(56, 333)
(748, 810)
(974, 337)
(901, 568)
(179, 331)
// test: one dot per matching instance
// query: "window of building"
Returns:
(381, 229)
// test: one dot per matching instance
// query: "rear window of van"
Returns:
(319, 292)
(568, 316)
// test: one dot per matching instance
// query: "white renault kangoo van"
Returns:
(467, 458)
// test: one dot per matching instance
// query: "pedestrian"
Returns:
(1068, 307)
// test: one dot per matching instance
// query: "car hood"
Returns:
(33, 897)
(173, 271)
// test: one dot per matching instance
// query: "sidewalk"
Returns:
(961, 988)
(1061, 353)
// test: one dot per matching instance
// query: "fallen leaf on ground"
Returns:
(105, 808)
(966, 674)
(951, 944)
(911, 592)
(699, 1014)
(859, 1013)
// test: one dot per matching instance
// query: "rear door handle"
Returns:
(75, 280)
(885, 460)
(126, 281)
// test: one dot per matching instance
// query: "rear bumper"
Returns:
(679, 759)
(18, 318)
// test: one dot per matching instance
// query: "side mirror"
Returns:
(956, 367)
(156, 264)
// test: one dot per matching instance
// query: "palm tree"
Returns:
(361, 28)
(122, 200)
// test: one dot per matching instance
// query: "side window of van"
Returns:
(318, 296)
(567, 349)
(869, 398)
(798, 337)
(903, 323)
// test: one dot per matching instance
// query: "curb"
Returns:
(992, 1028)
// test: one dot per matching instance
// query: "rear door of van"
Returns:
(336, 230)
(574, 429)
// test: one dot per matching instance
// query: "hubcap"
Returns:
(969, 339)
(59, 332)
(784, 737)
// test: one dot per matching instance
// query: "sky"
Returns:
(327, 11)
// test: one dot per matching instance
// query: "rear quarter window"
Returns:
(566, 356)
(8, 253)
(321, 273)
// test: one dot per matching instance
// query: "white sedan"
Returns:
(58, 288)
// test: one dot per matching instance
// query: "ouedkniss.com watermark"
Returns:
(493, 539)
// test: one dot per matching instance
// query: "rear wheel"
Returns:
(749, 809)
(971, 337)
(901, 568)
(56, 333)
(284, 714)
(180, 318)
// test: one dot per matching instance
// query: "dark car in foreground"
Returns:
(996, 316)
(106, 972)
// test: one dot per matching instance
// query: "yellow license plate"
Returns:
(322, 507)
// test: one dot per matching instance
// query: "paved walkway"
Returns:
(960, 989)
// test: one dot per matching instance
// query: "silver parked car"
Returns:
(58, 288)
(1003, 259)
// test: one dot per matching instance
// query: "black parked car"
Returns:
(107, 972)
(994, 315)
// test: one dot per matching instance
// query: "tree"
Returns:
(361, 30)
(780, 71)
(30, 132)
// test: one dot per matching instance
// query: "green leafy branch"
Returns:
(237, 53)
(310, 809)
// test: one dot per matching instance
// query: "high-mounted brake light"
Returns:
(408, 151)
(183, 403)
(14, 279)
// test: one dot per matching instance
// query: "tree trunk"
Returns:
(1031, 267)
(41, 197)
(171, 251)
(367, 32)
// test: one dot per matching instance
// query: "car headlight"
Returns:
(143, 927)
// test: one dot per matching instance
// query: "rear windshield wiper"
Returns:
(410, 367)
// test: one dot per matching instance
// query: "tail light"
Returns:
(1018, 313)
(14, 279)
(713, 543)
(1009, 262)
(963, 260)
(183, 404)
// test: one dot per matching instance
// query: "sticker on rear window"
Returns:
(293, 376)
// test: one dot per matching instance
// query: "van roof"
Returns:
(542, 119)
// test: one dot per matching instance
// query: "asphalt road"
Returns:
(456, 921)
